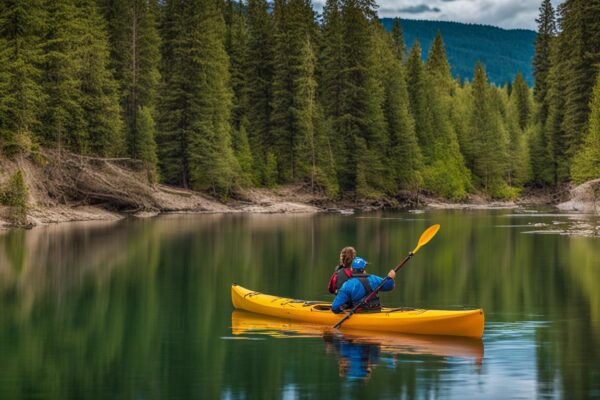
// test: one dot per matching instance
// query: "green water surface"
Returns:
(141, 309)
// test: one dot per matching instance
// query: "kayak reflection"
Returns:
(358, 351)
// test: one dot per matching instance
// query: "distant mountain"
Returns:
(504, 52)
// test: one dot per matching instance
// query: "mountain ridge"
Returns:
(504, 52)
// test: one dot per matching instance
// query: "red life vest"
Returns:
(340, 275)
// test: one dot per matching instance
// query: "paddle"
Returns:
(423, 240)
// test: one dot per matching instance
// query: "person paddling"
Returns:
(343, 271)
(360, 286)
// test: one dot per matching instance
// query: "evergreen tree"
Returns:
(445, 172)
(99, 90)
(581, 33)
(293, 26)
(550, 159)
(541, 61)
(330, 65)
(398, 40)
(22, 23)
(403, 155)
(259, 81)
(236, 44)
(519, 171)
(195, 109)
(586, 165)
(361, 127)
(487, 144)
(63, 119)
(520, 94)
(417, 93)
(135, 55)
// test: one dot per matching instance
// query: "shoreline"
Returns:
(66, 188)
(285, 200)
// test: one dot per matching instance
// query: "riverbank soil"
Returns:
(65, 187)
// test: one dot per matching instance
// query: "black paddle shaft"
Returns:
(374, 292)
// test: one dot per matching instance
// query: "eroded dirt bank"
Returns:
(65, 187)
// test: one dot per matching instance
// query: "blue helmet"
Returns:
(359, 263)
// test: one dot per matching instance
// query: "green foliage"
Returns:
(579, 57)
(144, 141)
(259, 77)
(99, 89)
(241, 149)
(134, 57)
(586, 165)
(195, 142)
(542, 59)
(293, 102)
(398, 40)
(22, 23)
(15, 196)
(270, 173)
(403, 153)
(487, 141)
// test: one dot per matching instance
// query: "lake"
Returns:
(141, 308)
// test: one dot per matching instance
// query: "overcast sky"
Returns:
(504, 13)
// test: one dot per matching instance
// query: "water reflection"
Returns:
(137, 308)
(359, 351)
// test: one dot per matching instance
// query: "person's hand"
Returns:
(392, 274)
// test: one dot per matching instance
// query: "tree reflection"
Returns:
(137, 308)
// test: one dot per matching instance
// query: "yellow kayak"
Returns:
(468, 323)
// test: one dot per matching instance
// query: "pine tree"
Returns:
(403, 155)
(581, 31)
(21, 95)
(195, 109)
(550, 158)
(520, 94)
(586, 164)
(99, 90)
(437, 62)
(330, 65)
(145, 144)
(63, 119)
(519, 171)
(445, 172)
(135, 55)
(293, 24)
(361, 126)
(236, 44)
(398, 40)
(487, 144)
(259, 81)
(417, 93)
(541, 61)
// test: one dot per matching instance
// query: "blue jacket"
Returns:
(353, 291)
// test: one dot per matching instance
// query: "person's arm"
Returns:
(341, 299)
(389, 284)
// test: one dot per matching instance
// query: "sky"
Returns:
(508, 14)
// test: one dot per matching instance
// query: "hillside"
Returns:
(504, 52)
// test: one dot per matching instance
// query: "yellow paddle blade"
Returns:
(427, 236)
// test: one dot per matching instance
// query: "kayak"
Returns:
(245, 323)
(468, 323)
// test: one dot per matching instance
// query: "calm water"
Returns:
(141, 309)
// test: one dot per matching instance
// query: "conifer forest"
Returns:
(216, 95)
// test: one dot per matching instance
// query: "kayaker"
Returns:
(359, 286)
(343, 271)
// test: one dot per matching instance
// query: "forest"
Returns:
(217, 95)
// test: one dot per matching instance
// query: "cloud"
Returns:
(504, 13)
(421, 8)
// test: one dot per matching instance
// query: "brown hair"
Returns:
(346, 256)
